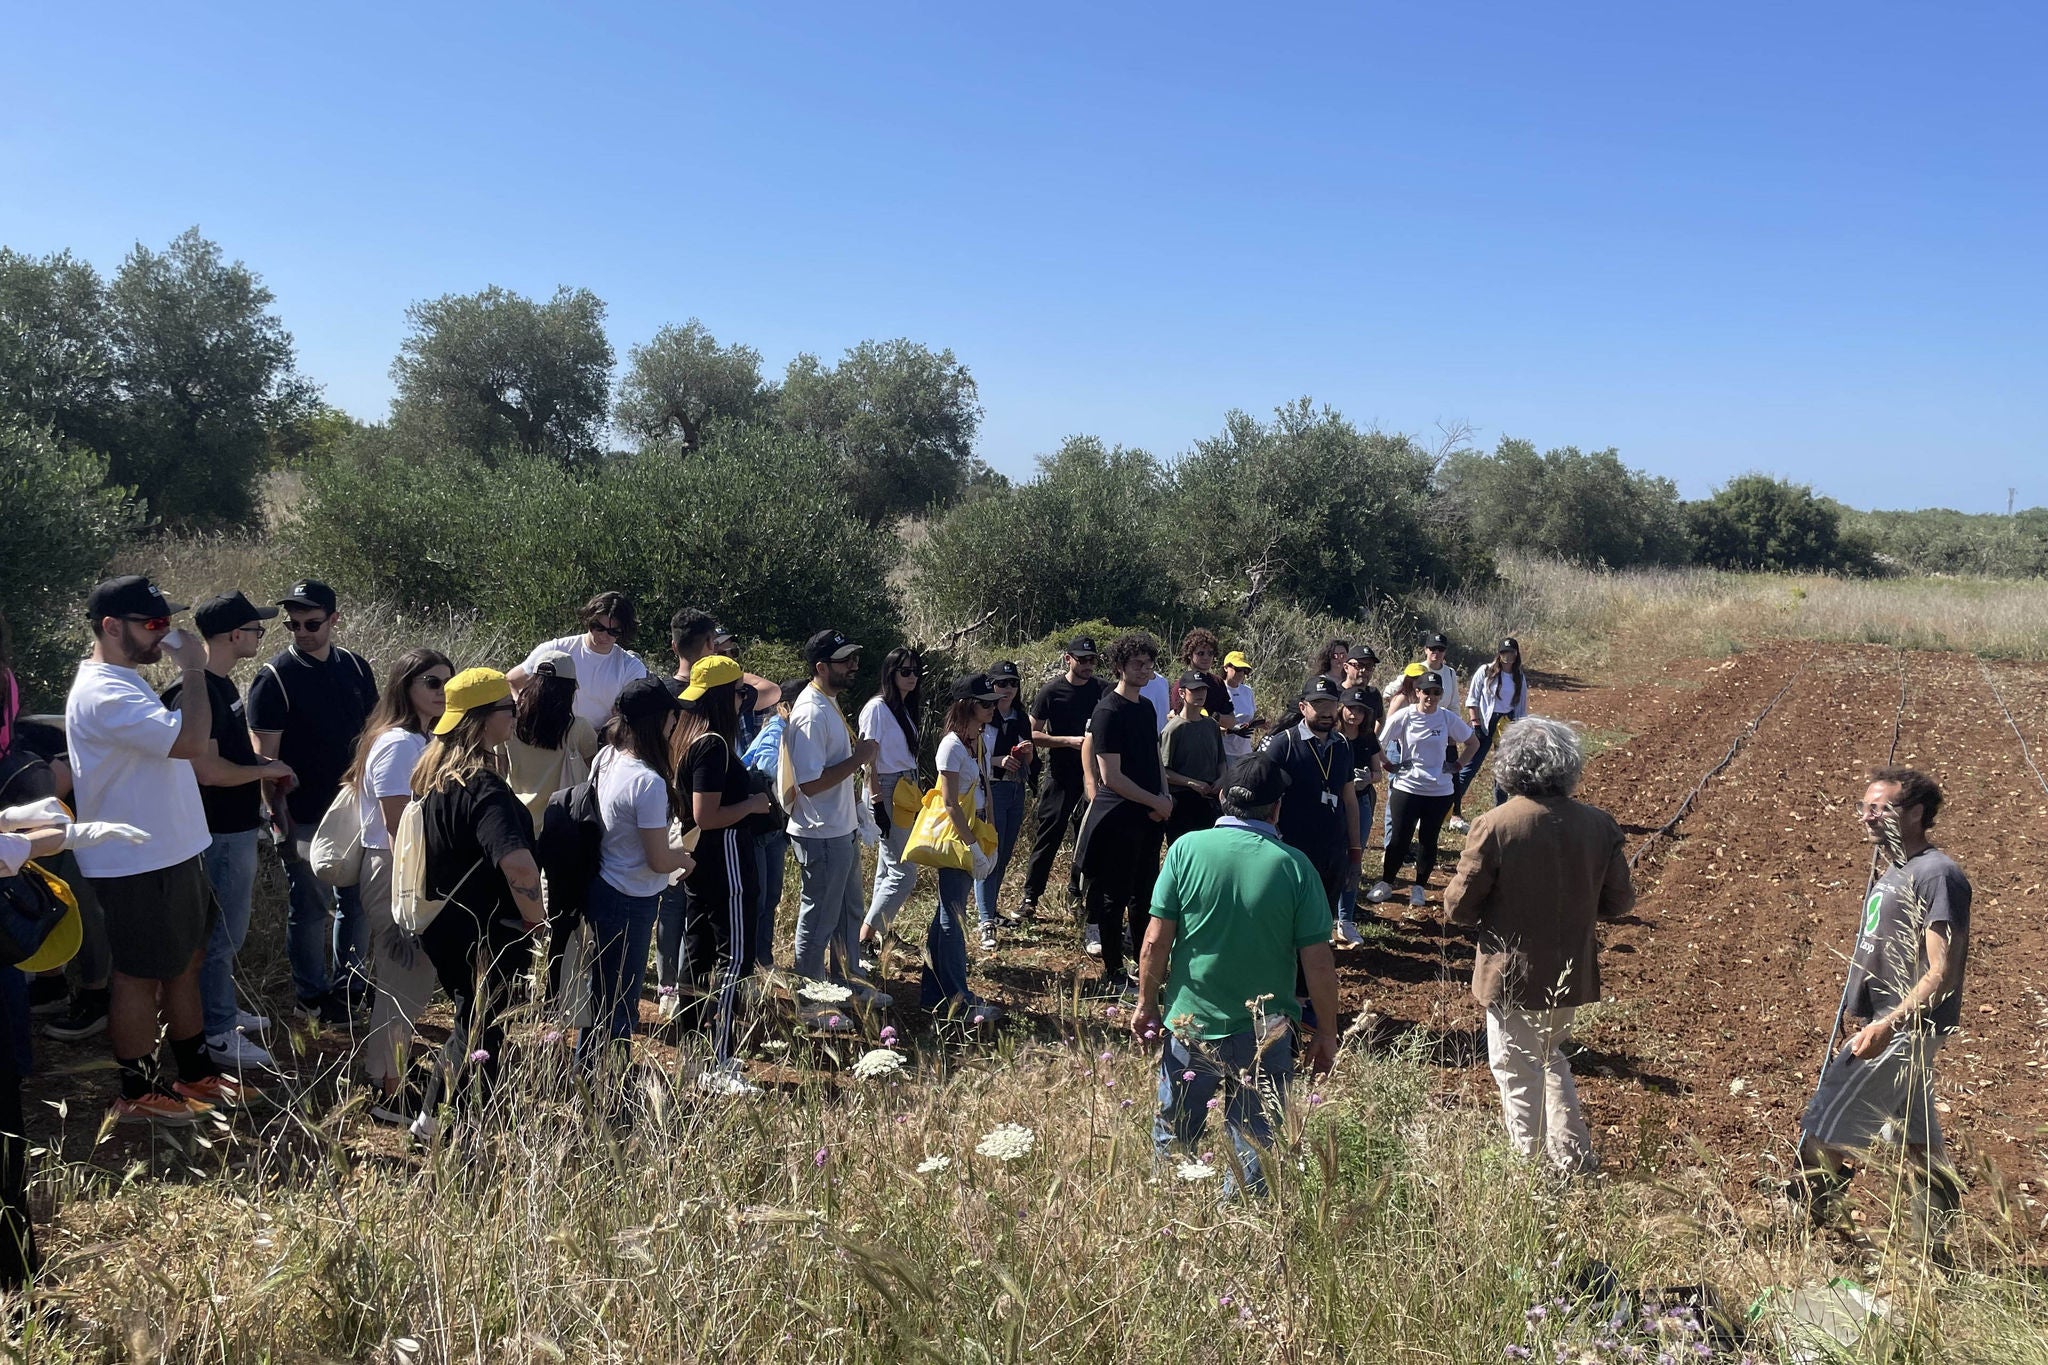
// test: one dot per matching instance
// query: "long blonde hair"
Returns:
(454, 758)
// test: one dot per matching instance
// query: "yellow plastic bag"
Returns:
(935, 843)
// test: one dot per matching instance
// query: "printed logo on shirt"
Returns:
(1870, 911)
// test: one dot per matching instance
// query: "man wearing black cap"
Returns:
(1191, 750)
(1059, 720)
(1236, 914)
(821, 760)
(307, 707)
(1321, 814)
(1359, 664)
(132, 771)
(228, 774)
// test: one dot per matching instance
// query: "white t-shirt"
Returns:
(120, 736)
(598, 676)
(630, 797)
(956, 757)
(1496, 694)
(1158, 693)
(1243, 706)
(387, 772)
(1421, 741)
(878, 722)
(817, 737)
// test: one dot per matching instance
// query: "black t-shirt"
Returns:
(476, 819)
(1309, 821)
(229, 810)
(1130, 730)
(1063, 708)
(318, 709)
(1005, 733)
(711, 766)
(1364, 745)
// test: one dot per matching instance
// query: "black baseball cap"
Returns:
(1081, 647)
(1362, 654)
(229, 611)
(974, 687)
(1004, 671)
(828, 644)
(1255, 780)
(1430, 681)
(1435, 641)
(129, 595)
(1194, 677)
(1509, 642)
(646, 697)
(1358, 696)
(1321, 688)
(310, 592)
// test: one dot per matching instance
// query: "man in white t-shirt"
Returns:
(603, 663)
(821, 759)
(131, 766)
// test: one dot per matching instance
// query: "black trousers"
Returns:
(1418, 820)
(718, 946)
(18, 1259)
(1123, 862)
(1059, 813)
(476, 963)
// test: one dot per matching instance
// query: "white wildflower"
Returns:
(1007, 1142)
(877, 1063)
(1737, 1086)
(1194, 1170)
(775, 1045)
(825, 992)
(931, 1165)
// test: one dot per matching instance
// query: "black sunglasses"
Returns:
(296, 626)
(433, 683)
(602, 629)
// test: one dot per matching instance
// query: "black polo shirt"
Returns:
(1063, 708)
(1312, 812)
(318, 708)
(229, 810)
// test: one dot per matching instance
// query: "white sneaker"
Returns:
(988, 938)
(1094, 940)
(1380, 893)
(1456, 824)
(425, 1128)
(1416, 896)
(1347, 934)
(238, 1052)
(726, 1082)
(255, 1025)
(669, 1003)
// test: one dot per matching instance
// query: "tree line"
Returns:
(520, 463)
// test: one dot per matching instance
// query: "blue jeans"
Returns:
(771, 861)
(1470, 768)
(1235, 1066)
(894, 878)
(945, 943)
(828, 910)
(324, 924)
(230, 862)
(668, 935)
(620, 926)
(1347, 900)
(1006, 813)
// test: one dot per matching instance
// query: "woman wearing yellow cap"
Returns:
(479, 862)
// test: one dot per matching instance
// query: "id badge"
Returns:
(1330, 799)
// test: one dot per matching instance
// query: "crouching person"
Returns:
(1536, 875)
(1234, 912)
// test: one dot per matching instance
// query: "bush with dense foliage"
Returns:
(64, 522)
(1758, 522)
(1582, 508)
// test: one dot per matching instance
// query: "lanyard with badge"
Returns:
(1323, 762)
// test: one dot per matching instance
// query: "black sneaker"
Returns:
(86, 1016)
(48, 994)
(329, 1011)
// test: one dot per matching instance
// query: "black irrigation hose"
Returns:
(1876, 852)
(1685, 806)
(1999, 697)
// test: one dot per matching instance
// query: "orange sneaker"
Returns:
(158, 1107)
(225, 1092)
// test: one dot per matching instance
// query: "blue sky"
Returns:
(1803, 238)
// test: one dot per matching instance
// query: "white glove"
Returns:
(983, 863)
(48, 813)
(93, 833)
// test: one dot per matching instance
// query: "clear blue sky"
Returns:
(1805, 238)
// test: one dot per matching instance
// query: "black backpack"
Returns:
(571, 832)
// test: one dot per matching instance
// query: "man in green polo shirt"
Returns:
(1234, 911)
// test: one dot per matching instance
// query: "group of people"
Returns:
(465, 790)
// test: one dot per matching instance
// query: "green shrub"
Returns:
(64, 522)
(1584, 509)
(1758, 522)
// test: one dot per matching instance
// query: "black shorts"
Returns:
(157, 921)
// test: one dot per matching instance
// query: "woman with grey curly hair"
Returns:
(1538, 872)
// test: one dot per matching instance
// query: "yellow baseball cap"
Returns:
(1414, 671)
(713, 670)
(1235, 659)
(466, 691)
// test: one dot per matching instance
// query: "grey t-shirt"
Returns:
(1192, 748)
(1891, 955)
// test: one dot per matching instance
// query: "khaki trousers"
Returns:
(1525, 1049)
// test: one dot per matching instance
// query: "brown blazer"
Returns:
(1533, 879)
